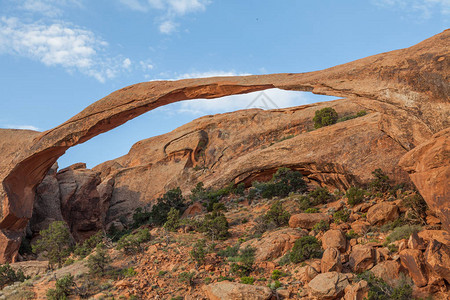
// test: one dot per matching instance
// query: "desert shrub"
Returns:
(84, 249)
(305, 248)
(140, 217)
(230, 251)
(351, 235)
(128, 272)
(417, 206)
(277, 214)
(54, 243)
(247, 280)
(325, 117)
(187, 278)
(380, 290)
(350, 117)
(173, 220)
(381, 182)
(304, 202)
(341, 216)
(355, 195)
(311, 210)
(99, 261)
(172, 199)
(198, 252)
(131, 243)
(402, 232)
(215, 225)
(240, 189)
(245, 261)
(209, 197)
(320, 196)
(283, 182)
(392, 225)
(277, 274)
(63, 288)
(321, 226)
(9, 276)
(275, 285)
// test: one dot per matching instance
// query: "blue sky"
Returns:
(59, 56)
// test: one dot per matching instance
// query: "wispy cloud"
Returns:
(426, 8)
(60, 44)
(170, 10)
(24, 127)
(50, 8)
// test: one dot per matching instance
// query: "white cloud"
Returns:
(59, 44)
(208, 74)
(50, 8)
(167, 27)
(24, 127)
(170, 10)
(424, 7)
(126, 63)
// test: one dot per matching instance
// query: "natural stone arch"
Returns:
(382, 83)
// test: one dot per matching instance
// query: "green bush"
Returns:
(173, 220)
(99, 261)
(305, 248)
(283, 182)
(215, 225)
(247, 280)
(350, 117)
(140, 217)
(320, 196)
(341, 216)
(402, 232)
(230, 251)
(209, 196)
(311, 210)
(9, 276)
(63, 288)
(325, 117)
(131, 243)
(187, 278)
(245, 260)
(129, 272)
(355, 195)
(277, 274)
(381, 182)
(321, 226)
(198, 252)
(172, 199)
(54, 243)
(277, 214)
(84, 249)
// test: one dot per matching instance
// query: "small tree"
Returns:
(246, 260)
(277, 214)
(380, 182)
(63, 288)
(99, 261)
(9, 276)
(354, 195)
(325, 117)
(54, 242)
(173, 220)
(305, 248)
(131, 243)
(198, 253)
(215, 225)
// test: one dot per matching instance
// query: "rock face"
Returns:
(429, 168)
(437, 259)
(334, 238)
(405, 92)
(382, 213)
(307, 221)
(414, 262)
(329, 285)
(236, 291)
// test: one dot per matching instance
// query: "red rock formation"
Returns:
(408, 89)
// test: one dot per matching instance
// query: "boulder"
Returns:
(441, 236)
(357, 291)
(226, 290)
(331, 260)
(307, 221)
(305, 273)
(334, 239)
(360, 227)
(329, 285)
(437, 259)
(389, 270)
(382, 213)
(416, 242)
(362, 258)
(274, 244)
(413, 261)
(31, 268)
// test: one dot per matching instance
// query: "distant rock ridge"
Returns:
(406, 92)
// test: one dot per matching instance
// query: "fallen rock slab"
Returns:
(328, 286)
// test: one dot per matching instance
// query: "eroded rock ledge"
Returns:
(408, 89)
